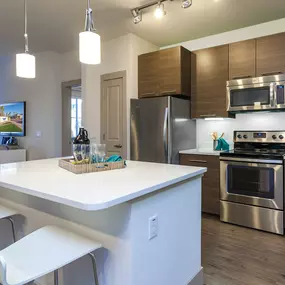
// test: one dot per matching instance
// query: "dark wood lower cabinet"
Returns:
(210, 181)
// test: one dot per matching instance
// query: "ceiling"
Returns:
(54, 24)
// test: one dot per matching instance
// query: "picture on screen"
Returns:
(12, 119)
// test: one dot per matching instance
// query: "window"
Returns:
(76, 115)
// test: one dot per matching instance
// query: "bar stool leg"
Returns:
(55, 276)
(13, 227)
(92, 256)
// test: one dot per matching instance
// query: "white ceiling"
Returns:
(55, 24)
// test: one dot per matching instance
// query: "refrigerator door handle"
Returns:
(165, 136)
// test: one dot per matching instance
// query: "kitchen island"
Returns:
(117, 208)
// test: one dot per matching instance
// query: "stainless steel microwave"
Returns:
(256, 94)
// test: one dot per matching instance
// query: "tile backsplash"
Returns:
(249, 121)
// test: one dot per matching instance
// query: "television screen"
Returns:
(12, 119)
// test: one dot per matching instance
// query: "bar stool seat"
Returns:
(43, 252)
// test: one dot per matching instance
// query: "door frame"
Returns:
(111, 76)
(66, 95)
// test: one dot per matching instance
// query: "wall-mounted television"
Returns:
(13, 119)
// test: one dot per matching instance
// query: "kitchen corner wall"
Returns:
(117, 55)
(251, 121)
(43, 97)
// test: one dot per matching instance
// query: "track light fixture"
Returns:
(186, 4)
(137, 14)
(159, 11)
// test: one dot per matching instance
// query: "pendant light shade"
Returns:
(89, 41)
(25, 62)
(89, 48)
(25, 65)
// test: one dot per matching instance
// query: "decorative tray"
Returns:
(88, 167)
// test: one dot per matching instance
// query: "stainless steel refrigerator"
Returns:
(160, 128)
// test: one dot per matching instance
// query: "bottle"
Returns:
(81, 146)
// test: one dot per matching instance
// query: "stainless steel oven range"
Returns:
(252, 181)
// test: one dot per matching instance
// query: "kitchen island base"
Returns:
(129, 257)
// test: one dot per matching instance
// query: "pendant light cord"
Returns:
(26, 28)
(89, 24)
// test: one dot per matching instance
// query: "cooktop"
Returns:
(258, 145)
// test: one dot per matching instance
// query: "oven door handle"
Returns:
(251, 160)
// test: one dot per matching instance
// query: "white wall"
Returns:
(117, 55)
(256, 121)
(70, 66)
(43, 97)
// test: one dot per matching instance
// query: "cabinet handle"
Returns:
(242, 77)
(209, 115)
(169, 92)
(197, 160)
(272, 73)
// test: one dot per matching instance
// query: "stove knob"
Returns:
(239, 136)
(281, 137)
(274, 137)
(245, 136)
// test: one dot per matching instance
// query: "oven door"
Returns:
(257, 183)
(259, 96)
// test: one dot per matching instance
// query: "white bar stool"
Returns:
(44, 251)
(7, 213)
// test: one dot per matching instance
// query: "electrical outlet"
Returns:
(153, 227)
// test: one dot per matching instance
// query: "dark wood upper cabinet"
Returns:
(209, 98)
(242, 59)
(270, 55)
(165, 72)
(148, 83)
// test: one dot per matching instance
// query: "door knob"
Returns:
(118, 146)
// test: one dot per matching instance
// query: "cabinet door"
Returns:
(210, 181)
(242, 59)
(212, 73)
(270, 55)
(170, 71)
(148, 71)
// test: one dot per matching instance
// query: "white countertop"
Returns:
(92, 191)
(201, 151)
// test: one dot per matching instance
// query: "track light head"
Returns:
(186, 4)
(159, 11)
(137, 14)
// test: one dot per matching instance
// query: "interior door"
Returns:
(149, 129)
(112, 116)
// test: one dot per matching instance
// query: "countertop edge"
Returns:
(200, 152)
(108, 204)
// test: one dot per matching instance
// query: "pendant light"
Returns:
(89, 41)
(26, 62)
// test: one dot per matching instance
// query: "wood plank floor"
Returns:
(233, 255)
